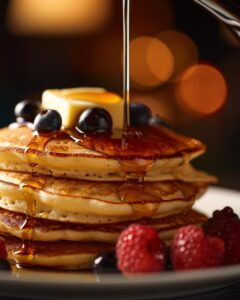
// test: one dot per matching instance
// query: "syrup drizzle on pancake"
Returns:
(149, 141)
(12, 220)
(135, 171)
(129, 148)
(146, 142)
(138, 198)
(136, 151)
(27, 185)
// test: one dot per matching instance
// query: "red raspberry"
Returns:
(192, 249)
(3, 250)
(216, 224)
(231, 236)
(230, 233)
(139, 250)
(226, 224)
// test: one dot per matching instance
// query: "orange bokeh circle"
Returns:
(202, 90)
(152, 62)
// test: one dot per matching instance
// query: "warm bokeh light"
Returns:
(151, 17)
(202, 90)
(151, 62)
(28, 17)
(183, 49)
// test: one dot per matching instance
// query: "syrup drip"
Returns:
(147, 142)
(120, 145)
(129, 148)
(135, 170)
(28, 185)
(38, 144)
(143, 203)
(136, 151)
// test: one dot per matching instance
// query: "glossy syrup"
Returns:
(136, 153)
(28, 185)
(126, 62)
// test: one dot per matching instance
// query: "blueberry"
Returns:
(156, 120)
(26, 110)
(95, 120)
(169, 266)
(106, 263)
(4, 265)
(140, 114)
(48, 121)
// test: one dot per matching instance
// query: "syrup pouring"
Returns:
(130, 140)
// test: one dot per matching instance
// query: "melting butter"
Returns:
(71, 102)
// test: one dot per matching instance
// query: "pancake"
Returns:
(58, 255)
(77, 254)
(36, 229)
(42, 194)
(156, 151)
(66, 196)
(46, 212)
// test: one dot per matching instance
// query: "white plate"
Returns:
(30, 284)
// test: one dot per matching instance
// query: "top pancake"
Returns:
(156, 150)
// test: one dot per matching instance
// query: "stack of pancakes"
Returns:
(62, 203)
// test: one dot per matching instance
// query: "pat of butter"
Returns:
(70, 103)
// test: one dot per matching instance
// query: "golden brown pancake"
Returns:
(66, 197)
(38, 196)
(159, 152)
(57, 255)
(77, 254)
(47, 230)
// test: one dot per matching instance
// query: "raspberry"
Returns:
(139, 250)
(226, 225)
(231, 236)
(3, 250)
(192, 249)
(216, 224)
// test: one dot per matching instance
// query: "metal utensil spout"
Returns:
(223, 13)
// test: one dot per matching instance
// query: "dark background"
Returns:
(31, 62)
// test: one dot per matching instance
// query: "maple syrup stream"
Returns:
(225, 12)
